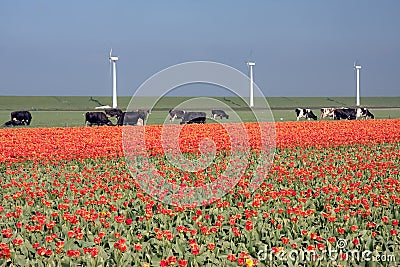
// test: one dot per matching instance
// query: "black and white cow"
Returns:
(176, 114)
(352, 113)
(21, 117)
(219, 113)
(305, 113)
(113, 112)
(97, 118)
(194, 117)
(327, 112)
(133, 117)
(144, 112)
(364, 113)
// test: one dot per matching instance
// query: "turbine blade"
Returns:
(110, 68)
(251, 55)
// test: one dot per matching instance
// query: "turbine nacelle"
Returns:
(251, 63)
(356, 65)
(111, 58)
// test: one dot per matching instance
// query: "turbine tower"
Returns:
(251, 65)
(113, 61)
(357, 67)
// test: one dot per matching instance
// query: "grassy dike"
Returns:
(61, 111)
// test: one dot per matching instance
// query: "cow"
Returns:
(133, 117)
(12, 123)
(345, 114)
(176, 114)
(144, 112)
(352, 113)
(97, 118)
(21, 117)
(113, 112)
(194, 117)
(327, 112)
(219, 113)
(305, 113)
(364, 113)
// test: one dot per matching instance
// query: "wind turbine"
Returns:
(357, 67)
(251, 65)
(113, 61)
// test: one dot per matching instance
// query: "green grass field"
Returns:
(62, 111)
(82, 103)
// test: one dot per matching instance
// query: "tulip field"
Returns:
(69, 198)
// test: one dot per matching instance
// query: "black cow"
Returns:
(97, 118)
(113, 112)
(352, 113)
(345, 114)
(21, 117)
(219, 113)
(305, 113)
(176, 114)
(133, 117)
(12, 123)
(194, 117)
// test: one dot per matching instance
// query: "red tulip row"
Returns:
(72, 143)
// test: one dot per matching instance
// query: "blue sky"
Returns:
(301, 48)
